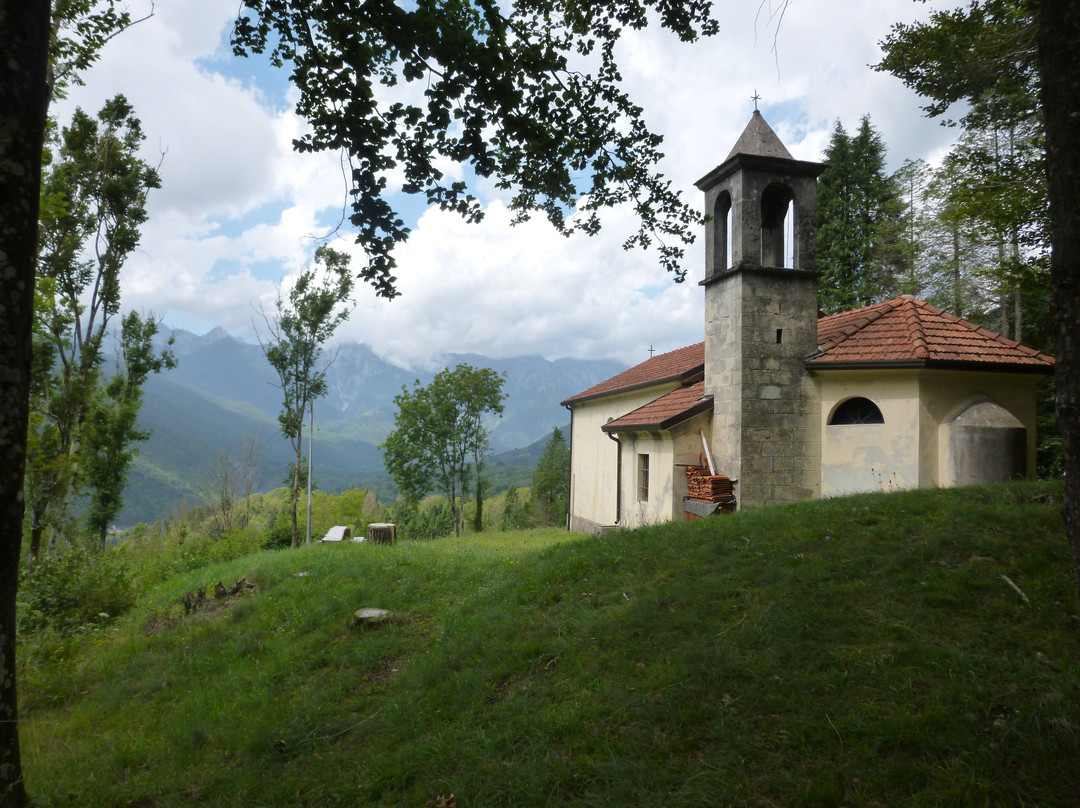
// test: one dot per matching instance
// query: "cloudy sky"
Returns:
(238, 210)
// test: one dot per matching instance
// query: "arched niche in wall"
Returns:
(987, 444)
(857, 410)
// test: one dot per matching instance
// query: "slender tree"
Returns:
(438, 429)
(914, 226)
(112, 431)
(249, 469)
(296, 334)
(94, 203)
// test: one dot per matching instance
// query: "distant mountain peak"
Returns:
(216, 335)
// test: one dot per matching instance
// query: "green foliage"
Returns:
(855, 651)
(527, 94)
(80, 28)
(989, 196)
(858, 212)
(296, 334)
(111, 428)
(438, 429)
(279, 533)
(515, 510)
(72, 589)
(84, 425)
(432, 518)
(551, 483)
(983, 53)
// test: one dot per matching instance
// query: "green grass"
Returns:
(861, 651)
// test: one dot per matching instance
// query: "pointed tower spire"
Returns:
(759, 139)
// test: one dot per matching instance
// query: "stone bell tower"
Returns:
(761, 318)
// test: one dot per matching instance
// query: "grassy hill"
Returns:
(913, 649)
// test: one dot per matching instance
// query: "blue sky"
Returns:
(238, 209)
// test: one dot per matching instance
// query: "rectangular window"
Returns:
(643, 477)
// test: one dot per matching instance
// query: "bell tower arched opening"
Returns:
(722, 216)
(776, 208)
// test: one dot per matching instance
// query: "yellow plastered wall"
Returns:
(946, 395)
(593, 472)
(870, 457)
(669, 453)
(911, 448)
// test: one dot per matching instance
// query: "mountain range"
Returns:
(222, 396)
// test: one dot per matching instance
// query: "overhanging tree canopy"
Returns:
(527, 93)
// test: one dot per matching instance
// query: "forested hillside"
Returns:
(221, 399)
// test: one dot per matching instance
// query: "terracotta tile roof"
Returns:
(902, 331)
(681, 366)
(907, 330)
(666, 411)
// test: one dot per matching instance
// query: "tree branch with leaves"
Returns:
(527, 93)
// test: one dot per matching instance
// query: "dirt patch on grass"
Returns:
(220, 596)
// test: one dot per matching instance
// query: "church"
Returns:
(778, 405)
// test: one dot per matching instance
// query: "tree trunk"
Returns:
(1059, 63)
(1018, 295)
(478, 519)
(455, 508)
(381, 533)
(294, 498)
(23, 104)
(37, 528)
(1003, 291)
(957, 302)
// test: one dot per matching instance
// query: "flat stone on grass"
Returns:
(371, 617)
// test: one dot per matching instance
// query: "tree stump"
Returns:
(382, 533)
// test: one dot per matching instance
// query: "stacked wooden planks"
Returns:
(705, 487)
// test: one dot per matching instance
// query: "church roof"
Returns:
(759, 139)
(908, 331)
(674, 366)
(666, 411)
(903, 332)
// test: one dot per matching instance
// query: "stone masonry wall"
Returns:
(781, 432)
(760, 325)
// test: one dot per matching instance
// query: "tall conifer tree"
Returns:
(859, 212)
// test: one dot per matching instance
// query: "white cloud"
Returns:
(239, 207)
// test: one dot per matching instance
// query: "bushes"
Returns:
(74, 587)
(430, 519)
(279, 531)
(155, 558)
